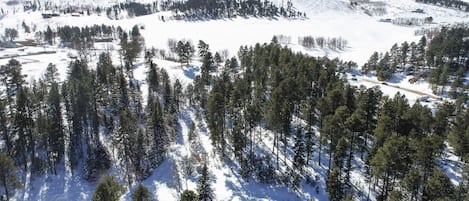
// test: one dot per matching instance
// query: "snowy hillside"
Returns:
(361, 25)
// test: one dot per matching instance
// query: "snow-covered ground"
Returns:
(325, 18)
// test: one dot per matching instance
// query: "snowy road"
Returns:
(400, 88)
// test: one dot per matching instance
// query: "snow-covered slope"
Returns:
(312, 7)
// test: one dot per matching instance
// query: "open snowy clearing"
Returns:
(325, 19)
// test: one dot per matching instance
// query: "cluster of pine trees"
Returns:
(213, 9)
(90, 114)
(97, 113)
(270, 86)
(321, 42)
(77, 37)
(133, 9)
(456, 4)
(109, 189)
(187, 10)
(191, 9)
(447, 54)
(443, 60)
(398, 58)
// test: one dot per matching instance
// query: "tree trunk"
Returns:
(276, 151)
(320, 148)
(384, 189)
(5, 186)
(251, 152)
(365, 146)
(285, 144)
(349, 160)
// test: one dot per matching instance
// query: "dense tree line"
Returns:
(270, 85)
(448, 55)
(443, 60)
(10, 34)
(88, 115)
(77, 37)
(213, 9)
(456, 4)
(321, 42)
(410, 57)
(400, 143)
(94, 114)
(132, 8)
(188, 10)
(193, 9)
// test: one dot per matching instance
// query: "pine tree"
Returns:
(216, 116)
(299, 149)
(153, 78)
(206, 67)
(428, 149)
(412, 184)
(372, 62)
(298, 160)
(458, 134)
(126, 140)
(203, 48)
(233, 67)
(334, 185)
(333, 128)
(22, 127)
(396, 195)
(78, 99)
(177, 96)
(441, 126)
(8, 176)
(185, 51)
(217, 58)
(356, 125)
(5, 134)
(130, 49)
(49, 36)
(141, 157)
(438, 187)
(11, 33)
(238, 137)
(204, 188)
(404, 50)
(461, 191)
(368, 102)
(26, 28)
(188, 195)
(422, 44)
(155, 128)
(385, 68)
(457, 82)
(12, 79)
(108, 190)
(390, 162)
(142, 194)
(56, 134)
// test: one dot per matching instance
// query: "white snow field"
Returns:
(325, 18)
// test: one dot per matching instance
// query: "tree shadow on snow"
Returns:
(190, 71)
